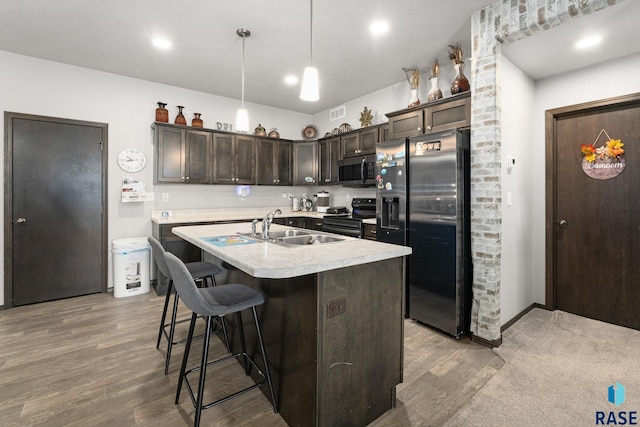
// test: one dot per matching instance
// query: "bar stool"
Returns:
(209, 303)
(199, 271)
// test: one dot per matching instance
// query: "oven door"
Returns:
(346, 226)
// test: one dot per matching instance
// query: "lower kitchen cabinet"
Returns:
(369, 231)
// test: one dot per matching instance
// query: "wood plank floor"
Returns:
(92, 361)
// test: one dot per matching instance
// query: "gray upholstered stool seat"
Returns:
(199, 271)
(210, 303)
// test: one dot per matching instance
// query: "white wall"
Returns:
(614, 78)
(392, 98)
(39, 87)
(517, 98)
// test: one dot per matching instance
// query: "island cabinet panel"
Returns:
(327, 369)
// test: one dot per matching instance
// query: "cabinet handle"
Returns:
(429, 127)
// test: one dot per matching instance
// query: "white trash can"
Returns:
(131, 257)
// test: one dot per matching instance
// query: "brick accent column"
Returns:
(503, 21)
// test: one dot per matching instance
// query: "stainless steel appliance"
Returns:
(423, 201)
(323, 201)
(357, 171)
(350, 225)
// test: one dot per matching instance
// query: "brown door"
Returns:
(593, 225)
(55, 208)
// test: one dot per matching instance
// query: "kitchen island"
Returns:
(332, 320)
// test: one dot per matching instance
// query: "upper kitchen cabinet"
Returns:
(383, 132)
(360, 142)
(274, 162)
(234, 160)
(403, 124)
(305, 163)
(328, 156)
(451, 114)
(447, 113)
(182, 155)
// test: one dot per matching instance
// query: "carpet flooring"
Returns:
(558, 368)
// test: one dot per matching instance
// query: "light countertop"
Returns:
(182, 216)
(177, 216)
(269, 260)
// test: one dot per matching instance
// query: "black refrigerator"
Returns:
(423, 201)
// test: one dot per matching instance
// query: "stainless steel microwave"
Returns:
(357, 171)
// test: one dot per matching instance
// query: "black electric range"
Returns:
(350, 224)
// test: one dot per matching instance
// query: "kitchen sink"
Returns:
(287, 233)
(310, 239)
(292, 238)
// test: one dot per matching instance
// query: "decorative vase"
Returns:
(435, 92)
(460, 84)
(196, 121)
(162, 114)
(180, 120)
(414, 98)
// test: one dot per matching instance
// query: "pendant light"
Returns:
(310, 91)
(242, 118)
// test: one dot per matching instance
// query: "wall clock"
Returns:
(131, 160)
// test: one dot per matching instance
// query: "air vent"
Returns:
(337, 113)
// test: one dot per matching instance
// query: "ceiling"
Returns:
(206, 56)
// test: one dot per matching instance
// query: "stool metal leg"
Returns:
(164, 312)
(203, 372)
(243, 345)
(264, 360)
(185, 357)
(172, 329)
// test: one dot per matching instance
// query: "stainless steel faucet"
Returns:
(266, 222)
(253, 227)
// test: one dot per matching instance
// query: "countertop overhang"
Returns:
(273, 261)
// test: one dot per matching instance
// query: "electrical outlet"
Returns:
(347, 197)
(336, 307)
(165, 197)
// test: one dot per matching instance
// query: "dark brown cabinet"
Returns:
(328, 156)
(234, 159)
(406, 124)
(447, 113)
(274, 162)
(182, 155)
(358, 143)
(369, 231)
(305, 163)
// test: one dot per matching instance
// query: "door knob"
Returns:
(21, 220)
(562, 223)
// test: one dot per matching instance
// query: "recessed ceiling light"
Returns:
(291, 79)
(588, 42)
(379, 27)
(161, 43)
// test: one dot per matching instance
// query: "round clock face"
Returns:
(132, 160)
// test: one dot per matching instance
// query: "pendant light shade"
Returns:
(242, 117)
(310, 91)
(310, 85)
